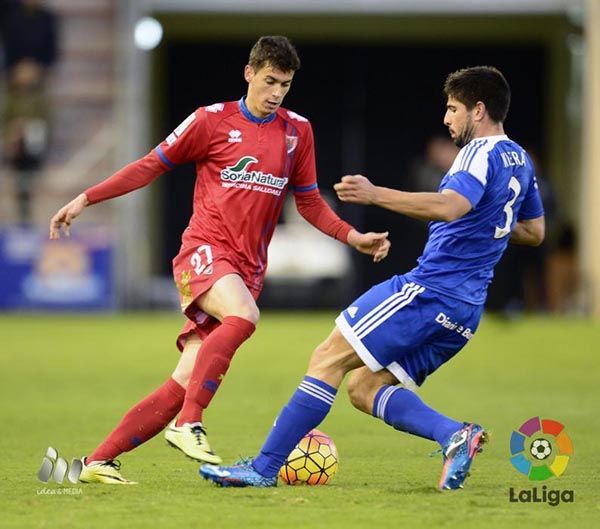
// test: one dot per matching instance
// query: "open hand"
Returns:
(375, 244)
(65, 216)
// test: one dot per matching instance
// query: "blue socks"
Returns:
(405, 411)
(306, 409)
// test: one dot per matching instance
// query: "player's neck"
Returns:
(489, 129)
(254, 109)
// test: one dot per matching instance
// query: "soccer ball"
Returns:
(541, 449)
(314, 461)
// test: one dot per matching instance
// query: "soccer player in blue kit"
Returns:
(402, 330)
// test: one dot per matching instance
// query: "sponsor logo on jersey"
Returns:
(352, 311)
(239, 174)
(445, 321)
(291, 142)
(217, 107)
(297, 117)
(235, 136)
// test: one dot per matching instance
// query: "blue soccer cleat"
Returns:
(459, 452)
(240, 474)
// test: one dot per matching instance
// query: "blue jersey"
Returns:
(497, 177)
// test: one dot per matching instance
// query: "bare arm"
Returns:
(445, 206)
(530, 232)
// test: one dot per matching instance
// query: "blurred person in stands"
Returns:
(29, 34)
(427, 170)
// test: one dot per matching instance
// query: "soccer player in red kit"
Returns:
(247, 154)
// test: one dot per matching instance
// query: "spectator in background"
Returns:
(562, 273)
(428, 170)
(425, 175)
(29, 34)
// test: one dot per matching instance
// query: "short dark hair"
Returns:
(480, 83)
(277, 51)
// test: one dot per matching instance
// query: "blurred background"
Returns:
(90, 85)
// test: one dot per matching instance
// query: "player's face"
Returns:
(459, 121)
(266, 89)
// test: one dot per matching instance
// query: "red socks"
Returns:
(212, 363)
(142, 422)
(151, 415)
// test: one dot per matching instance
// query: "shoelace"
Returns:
(114, 463)
(199, 432)
(243, 461)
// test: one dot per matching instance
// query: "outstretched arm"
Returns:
(445, 206)
(131, 177)
(316, 211)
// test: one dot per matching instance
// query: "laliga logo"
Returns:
(541, 450)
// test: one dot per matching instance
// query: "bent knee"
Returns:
(251, 313)
(359, 393)
(247, 311)
(364, 385)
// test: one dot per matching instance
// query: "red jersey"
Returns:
(244, 166)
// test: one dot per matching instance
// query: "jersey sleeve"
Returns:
(304, 176)
(131, 177)
(469, 172)
(309, 202)
(316, 211)
(467, 185)
(188, 142)
(532, 206)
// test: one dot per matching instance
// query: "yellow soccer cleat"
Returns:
(103, 472)
(192, 441)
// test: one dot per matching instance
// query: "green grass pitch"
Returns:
(67, 380)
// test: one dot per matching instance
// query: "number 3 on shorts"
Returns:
(516, 188)
(202, 260)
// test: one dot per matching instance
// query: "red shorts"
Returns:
(195, 270)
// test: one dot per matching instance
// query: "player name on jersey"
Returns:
(512, 158)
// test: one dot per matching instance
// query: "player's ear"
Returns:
(480, 110)
(248, 73)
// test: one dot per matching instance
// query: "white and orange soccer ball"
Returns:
(314, 461)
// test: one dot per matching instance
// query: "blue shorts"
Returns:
(407, 329)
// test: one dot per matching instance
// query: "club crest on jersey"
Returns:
(291, 142)
(239, 176)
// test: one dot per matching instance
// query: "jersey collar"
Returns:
(252, 117)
